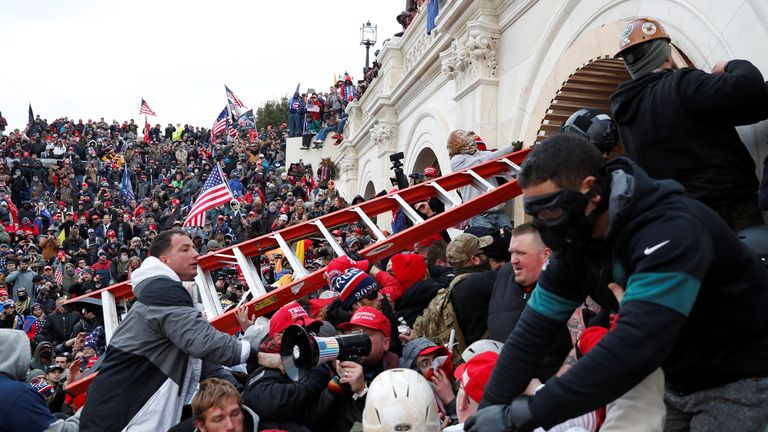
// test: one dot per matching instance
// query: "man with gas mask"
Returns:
(680, 266)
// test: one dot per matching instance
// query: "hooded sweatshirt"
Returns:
(681, 125)
(38, 362)
(153, 361)
(24, 409)
(694, 304)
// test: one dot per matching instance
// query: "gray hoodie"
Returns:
(14, 364)
(15, 360)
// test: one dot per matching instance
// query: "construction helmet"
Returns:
(479, 347)
(756, 239)
(400, 400)
(640, 31)
(596, 126)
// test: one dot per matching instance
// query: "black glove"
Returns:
(515, 417)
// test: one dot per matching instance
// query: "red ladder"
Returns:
(304, 282)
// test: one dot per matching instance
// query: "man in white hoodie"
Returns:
(154, 360)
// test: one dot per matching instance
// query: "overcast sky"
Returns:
(91, 59)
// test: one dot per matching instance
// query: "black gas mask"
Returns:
(559, 217)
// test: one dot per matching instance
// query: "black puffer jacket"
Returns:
(279, 402)
(416, 298)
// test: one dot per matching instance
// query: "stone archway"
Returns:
(590, 86)
(426, 158)
(370, 191)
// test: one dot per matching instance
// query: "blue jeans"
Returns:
(294, 124)
(324, 133)
(340, 126)
(491, 220)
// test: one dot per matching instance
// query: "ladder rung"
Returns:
(251, 275)
(208, 296)
(479, 183)
(444, 196)
(329, 238)
(298, 269)
(513, 166)
(372, 226)
(109, 309)
(409, 211)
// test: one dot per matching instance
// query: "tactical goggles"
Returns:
(552, 208)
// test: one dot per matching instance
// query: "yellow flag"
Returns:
(62, 236)
(300, 251)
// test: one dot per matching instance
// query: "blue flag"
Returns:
(433, 9)
(298, 86)
(126, 188)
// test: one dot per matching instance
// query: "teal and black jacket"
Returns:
(695, 304)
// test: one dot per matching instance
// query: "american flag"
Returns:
(231, 129)
(58, 276)
(234, 104)
(145, 109)
(233, 100)
(221, 123)
(215, 192)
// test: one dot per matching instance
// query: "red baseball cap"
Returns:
(476, 373)
(290, 314)
(368, 317)
(427, 242)
(430, 171)
(341, 264)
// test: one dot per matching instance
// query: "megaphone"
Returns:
(300, 351)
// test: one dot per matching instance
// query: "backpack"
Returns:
(439, 318)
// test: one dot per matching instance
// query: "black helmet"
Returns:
(595, 126)
(756, 239)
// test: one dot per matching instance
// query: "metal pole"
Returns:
(367, 48)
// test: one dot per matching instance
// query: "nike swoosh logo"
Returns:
(652, 249)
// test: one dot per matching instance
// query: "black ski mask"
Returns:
(559, 217)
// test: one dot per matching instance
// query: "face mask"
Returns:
(46, 355)
(559, 217)
(22, 297)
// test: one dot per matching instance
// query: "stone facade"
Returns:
(494, 66)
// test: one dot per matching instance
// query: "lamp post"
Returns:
(368, 39)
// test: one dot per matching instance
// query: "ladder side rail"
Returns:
(120, 291)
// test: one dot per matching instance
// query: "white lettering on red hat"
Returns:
(297, 312)
(364, 316)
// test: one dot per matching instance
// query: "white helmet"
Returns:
(400, 400)
(479, 347)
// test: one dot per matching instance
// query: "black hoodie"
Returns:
(694, 305)
(681, 125)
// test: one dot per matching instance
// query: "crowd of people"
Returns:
(596, 315)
